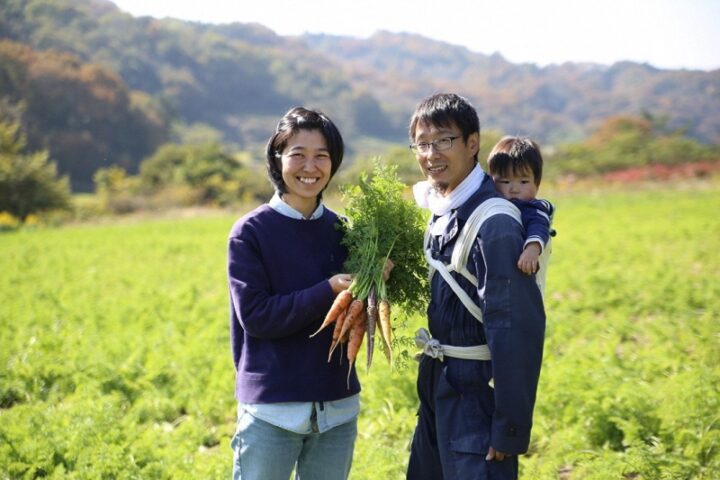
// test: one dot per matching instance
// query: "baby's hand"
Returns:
(528, 261)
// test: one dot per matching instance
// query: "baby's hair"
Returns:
(515, 155)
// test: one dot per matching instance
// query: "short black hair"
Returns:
(296, 119)
(516, 155)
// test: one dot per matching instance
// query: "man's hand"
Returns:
(389, 265)
(495, 455)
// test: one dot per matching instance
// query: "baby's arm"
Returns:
(536, 217)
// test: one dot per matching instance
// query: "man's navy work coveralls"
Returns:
(461, 414)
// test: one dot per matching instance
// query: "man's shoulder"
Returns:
(485, 191)
(501, 225)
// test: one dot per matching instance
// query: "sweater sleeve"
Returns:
(514, 321)
(536, 218)
(265, 314)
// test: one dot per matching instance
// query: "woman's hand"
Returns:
(340, 282)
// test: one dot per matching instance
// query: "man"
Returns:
(478, 378)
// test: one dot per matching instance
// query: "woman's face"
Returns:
(306, 168)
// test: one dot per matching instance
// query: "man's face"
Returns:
(445, 169)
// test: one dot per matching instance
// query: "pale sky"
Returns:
(664, 33)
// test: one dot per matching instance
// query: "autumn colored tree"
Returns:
(625, 141)
(83, 114)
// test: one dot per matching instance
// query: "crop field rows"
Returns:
(115, 359)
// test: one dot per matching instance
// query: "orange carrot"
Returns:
(345, 336)
(342, 301)
(357, 332)
(354, 311)
(343, 340)
(336, 332)
(386, 328)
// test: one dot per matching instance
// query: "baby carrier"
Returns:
(458, 263)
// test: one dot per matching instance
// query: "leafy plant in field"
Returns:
(382, 224)
(29, 181)
(380, 227)
(114, 359)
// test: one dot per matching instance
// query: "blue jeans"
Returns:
(262, 451)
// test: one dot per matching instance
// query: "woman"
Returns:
(295, 409)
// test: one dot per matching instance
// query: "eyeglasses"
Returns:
(440, 145)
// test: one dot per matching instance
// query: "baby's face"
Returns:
(520, 186)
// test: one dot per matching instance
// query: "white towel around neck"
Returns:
(428, 197)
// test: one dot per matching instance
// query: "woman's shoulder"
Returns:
(330, 214)
(334, 220)
(252, 220)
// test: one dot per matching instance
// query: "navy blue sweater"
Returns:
(278, 271)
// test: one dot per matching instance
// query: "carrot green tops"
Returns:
(278, 271)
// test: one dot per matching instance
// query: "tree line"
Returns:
(213, 174)
(97, 97)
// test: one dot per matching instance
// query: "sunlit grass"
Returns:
(115, 360)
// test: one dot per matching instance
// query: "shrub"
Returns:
(29, 183)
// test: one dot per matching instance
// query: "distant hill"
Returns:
(557, 103)
(237, 79)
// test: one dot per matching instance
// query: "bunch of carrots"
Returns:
(381, 226)
(353, 321)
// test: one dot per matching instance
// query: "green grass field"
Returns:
(115, 361)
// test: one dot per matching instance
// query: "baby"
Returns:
(516, 166)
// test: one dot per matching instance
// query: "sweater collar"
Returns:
(277, 204)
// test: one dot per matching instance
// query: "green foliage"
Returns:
(401, 157)
(215, 176)
(235, 80)
(29, 182)
(81, 112)
(381, 224)
(114, 357)
(626, 141)
(116, 192)
(182, 176)
(104, 365)
(630, 382)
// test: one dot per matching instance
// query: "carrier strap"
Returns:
(463, 244)
(433, 348)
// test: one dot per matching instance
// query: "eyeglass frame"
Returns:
(424, 147)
